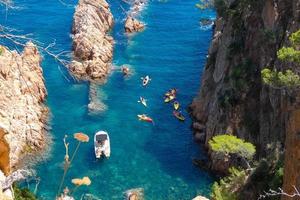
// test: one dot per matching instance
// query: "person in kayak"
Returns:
(145, 80)
(143, 101)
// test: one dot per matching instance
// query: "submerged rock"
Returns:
(134, 194)
(206, 22)
(92, 45)
(95, 106)
(23, 114)
(133, 25)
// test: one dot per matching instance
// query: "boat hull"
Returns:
(104, 148)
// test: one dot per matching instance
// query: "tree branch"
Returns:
(280, 192)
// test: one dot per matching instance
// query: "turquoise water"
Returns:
(158, 157)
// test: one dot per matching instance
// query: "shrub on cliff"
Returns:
(230, 144)
(228, 187)
(23, 193)
(280, 79)
(287, 54)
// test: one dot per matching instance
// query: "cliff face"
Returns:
(93, 47)
(23, 114)
(232, 98)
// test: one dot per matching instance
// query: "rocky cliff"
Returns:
(23, 114)
(233, 99)
(92, 45)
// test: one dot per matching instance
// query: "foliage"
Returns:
(230, 144)
(295, 38)
(289, 54)
(23, 193)
(280, 79)
(219, 5)
(227, 188)
(204, 4)
(288, 78)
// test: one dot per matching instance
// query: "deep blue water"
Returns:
(158, 158)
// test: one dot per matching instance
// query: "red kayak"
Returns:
(145, 118)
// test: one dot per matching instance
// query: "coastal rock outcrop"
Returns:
(133, 25)
(23, 114)
(92, 44)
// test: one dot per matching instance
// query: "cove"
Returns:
(172, 51)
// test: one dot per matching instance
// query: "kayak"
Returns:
(169, 98)
(176, 105)
(171, 92)
(145, 80)
(178, 115)
(143, 101)
(145, 118)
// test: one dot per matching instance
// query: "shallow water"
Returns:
(158, 157)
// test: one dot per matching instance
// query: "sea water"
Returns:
(156, 157)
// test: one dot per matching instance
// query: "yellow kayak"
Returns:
(176, 105)
(169, 98)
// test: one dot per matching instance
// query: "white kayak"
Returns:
(145, 80)
(102, 144)
(143, 101)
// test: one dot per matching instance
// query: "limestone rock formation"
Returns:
(23, 115)
(133, 25)
(92, 45)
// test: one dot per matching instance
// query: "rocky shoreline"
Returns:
(92, 44)
(132, 24)
(23, 114)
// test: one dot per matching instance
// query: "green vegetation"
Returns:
(230, 144)
(227, 188)
(295, 38)
(288, 54)
(204, 4)
(23, 193)
(219, 5)
(280, 79)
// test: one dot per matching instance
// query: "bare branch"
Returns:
(280, 192)
(12, 35)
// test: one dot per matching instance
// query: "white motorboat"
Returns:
(102, 144)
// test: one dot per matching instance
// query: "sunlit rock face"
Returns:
(23, 114)
(92, 45)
